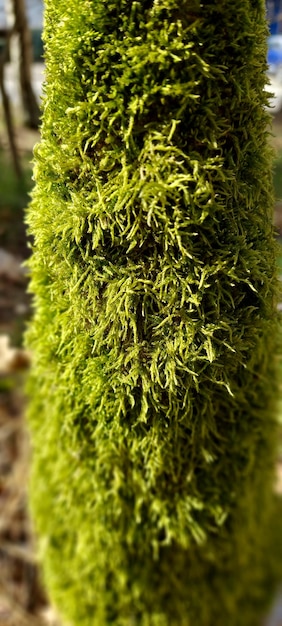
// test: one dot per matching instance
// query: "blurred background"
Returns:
(22, 598)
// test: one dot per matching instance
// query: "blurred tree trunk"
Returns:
(21, 56)
(8, 113)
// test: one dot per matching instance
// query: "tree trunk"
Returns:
(21, 54)
(155, 337)
(8, 117)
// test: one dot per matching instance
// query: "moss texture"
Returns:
(153, 390)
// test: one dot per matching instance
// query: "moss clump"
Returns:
(155, 330)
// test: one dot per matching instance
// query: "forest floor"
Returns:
(22, 598)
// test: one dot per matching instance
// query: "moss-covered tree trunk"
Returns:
(155, 328)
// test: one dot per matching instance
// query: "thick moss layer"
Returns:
(155, 328)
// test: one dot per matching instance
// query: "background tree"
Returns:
(155, 331)
(7, 110)
(20, 47)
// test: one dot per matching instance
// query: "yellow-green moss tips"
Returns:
(152, 396)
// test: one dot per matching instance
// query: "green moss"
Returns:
(155, 330)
